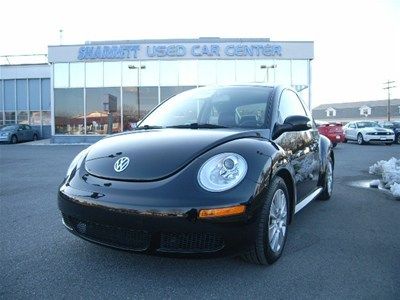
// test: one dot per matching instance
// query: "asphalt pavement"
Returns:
(347, 247)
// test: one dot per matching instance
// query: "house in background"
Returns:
(352, 111)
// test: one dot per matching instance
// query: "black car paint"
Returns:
(171, 199)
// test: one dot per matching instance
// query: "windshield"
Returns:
(228, 107)
(8, 128)
(367, 124)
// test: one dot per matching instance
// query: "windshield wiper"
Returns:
(197, 126)
(146, 127)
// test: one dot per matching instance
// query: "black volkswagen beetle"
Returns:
(211, 171)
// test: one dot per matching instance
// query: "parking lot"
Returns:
(348, 247)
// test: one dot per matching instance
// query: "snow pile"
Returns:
(390, 172)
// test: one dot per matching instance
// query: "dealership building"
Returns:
(83, 92)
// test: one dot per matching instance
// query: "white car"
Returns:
(368, 132)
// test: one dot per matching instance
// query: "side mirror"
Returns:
(292, 123)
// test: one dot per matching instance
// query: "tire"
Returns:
(14, 139)
(360, 139)
(388, 144)
(398, 139)
(334, 145)
(35, 137)
(327, 187)
(345, 141)
(272, 226)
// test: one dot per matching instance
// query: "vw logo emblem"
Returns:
(121, 164)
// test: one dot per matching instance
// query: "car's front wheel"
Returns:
(35, 137)
(272, 226)
(398, 139)
(14, 139)
(360, 139)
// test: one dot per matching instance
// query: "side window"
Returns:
(352, 126)
(290, 105)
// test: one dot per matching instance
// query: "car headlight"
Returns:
(222, 172)
(77, 161)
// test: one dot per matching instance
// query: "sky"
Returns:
(356, 43)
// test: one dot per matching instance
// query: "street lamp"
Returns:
(133, 67)
(267, 70)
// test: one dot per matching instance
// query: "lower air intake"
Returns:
(192, 242)
(125, 238)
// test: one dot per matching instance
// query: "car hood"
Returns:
(375, 129)
(155, 154)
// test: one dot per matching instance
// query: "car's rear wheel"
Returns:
(328, 182)
(360, 139)
(14, 139)
(272, 226)
(35, 137)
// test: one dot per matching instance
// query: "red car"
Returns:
(332, 131)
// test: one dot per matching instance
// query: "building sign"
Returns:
(134, 51)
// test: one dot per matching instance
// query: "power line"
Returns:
(388, 87)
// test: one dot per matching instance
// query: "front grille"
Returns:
(382, 133)
(193, 242)
(125, 238)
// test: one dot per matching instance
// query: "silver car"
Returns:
(18, 133)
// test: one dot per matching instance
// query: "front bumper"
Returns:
(4, 138)
(167, 231)
(379, 138)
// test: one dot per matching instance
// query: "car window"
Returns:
(367, 124)
(290, 105)
(226, 106)
(351, 125)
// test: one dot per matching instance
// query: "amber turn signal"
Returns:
(222, 212)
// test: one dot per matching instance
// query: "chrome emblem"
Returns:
(121, 164)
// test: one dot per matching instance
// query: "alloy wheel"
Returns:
(359, 139)
(277, 221)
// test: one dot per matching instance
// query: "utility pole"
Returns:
(388, 87)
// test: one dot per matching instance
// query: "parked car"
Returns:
(368, 132)
(18, 133)
(395, 126)
(333, 131)
(211, 171)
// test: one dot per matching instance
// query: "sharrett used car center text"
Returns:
(87, 91)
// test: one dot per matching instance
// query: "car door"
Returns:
(28, 132)
(351, 131)
(21, 133)
(302, 147)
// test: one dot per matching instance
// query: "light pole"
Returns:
(388, 87)
(142, 67)
(267, 70)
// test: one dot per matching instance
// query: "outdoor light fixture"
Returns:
(267, 67)
(134, 67)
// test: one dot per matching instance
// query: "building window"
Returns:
(61, 75)
(365, 111)
(331, 112)
(77, 75)
(103, 110)
(68, 110)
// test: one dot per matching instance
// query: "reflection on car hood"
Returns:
(155, 154)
